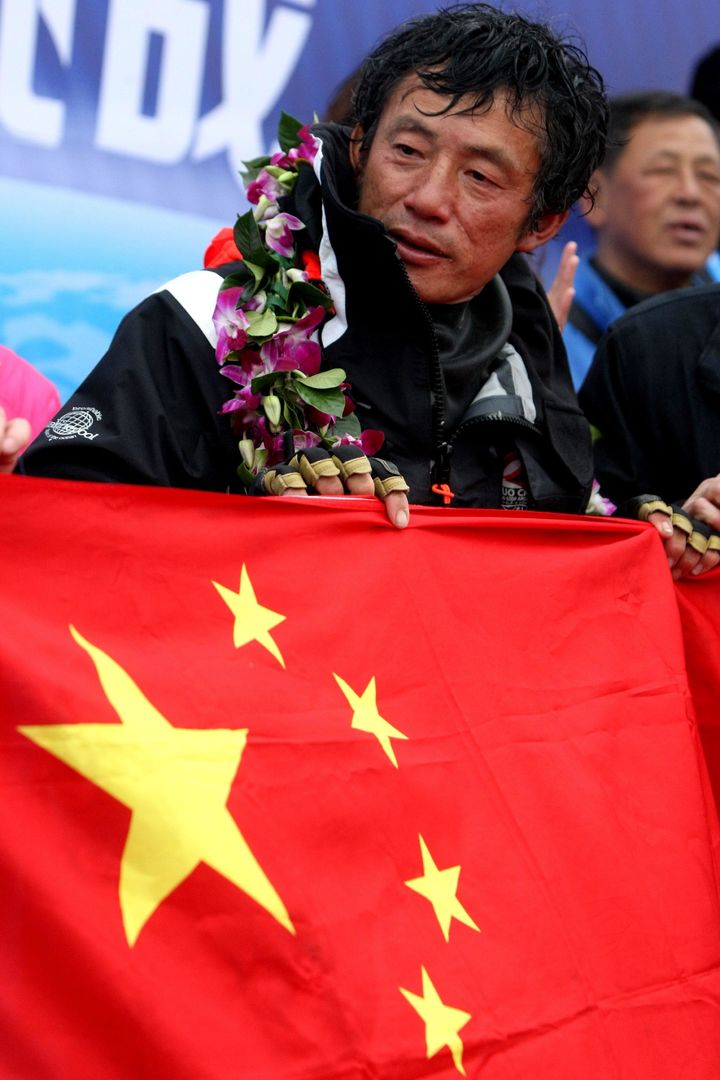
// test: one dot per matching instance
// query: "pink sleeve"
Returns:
(24, 391)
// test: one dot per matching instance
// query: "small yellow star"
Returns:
(440, 888)
(253, 622)
(176, 782)
(442, 1022)
(367, 718)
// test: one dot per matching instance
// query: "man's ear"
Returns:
(356, 152)
(546, 228)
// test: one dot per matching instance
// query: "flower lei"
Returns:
(266, 316)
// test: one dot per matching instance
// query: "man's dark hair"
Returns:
(629, 110)
(705, 82)
(476, 51)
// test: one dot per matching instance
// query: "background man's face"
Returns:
(453, 191)
(658, 213)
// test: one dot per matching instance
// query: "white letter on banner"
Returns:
(121, 126)
(255, 68)
(24, 113)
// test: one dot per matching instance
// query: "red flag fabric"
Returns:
(699, 605)
(287, 793)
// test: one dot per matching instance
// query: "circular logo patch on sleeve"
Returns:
(74, 424)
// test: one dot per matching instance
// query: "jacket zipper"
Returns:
(442, 450)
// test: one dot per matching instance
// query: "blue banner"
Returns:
(123, 124)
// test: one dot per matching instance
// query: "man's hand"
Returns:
(14, 437)
(692, 540)
(704, 503)
(347, 471)
(562, 291)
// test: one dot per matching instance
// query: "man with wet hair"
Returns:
(474, 133)
(472, 54)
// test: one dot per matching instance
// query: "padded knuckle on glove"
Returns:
(277, 481)
(699, 535)
(699, 539)
(351, 461)
(387, 478)
(313, 465)
(698, 542)
(645, 505)
(681, 520)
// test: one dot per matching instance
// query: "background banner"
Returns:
(123, 124)
(286, 792)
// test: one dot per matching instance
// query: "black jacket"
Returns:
(653, 392)
(148, 413)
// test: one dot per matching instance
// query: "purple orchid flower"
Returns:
(276, 444)
(322, 419)
(307, 148)
(279, 230)
(370, 441)
(310, 321)
(230, 323)
(244, 401)
(243, 373)
(293, 350)
(264, 184)
(256, 302)
(304, 440)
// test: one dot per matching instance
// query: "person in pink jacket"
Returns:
(28, 400)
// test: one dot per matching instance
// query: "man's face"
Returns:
(658, 212)
(453, 191)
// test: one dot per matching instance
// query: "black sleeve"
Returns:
(147, 413)
(622, 464)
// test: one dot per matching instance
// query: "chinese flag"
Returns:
(289, 795)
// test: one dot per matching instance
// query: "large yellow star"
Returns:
(442, 1022)
(176, 782)
(253, 622)
(367, 718)
(440, 888)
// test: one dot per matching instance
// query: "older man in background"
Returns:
(656, 214)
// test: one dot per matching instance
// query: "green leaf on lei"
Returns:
(244, 473)
(248, 240)
(253, 168)
(288, 132)
(327, 401)
(292, 416)
(278, 298)
(257, 272)
(262, 384)
(239, 280)
(308, 294)
(263, 324)
(246, 233)
(324, 380)
(347, 425)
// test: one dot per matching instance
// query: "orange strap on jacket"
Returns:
(444, 489)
